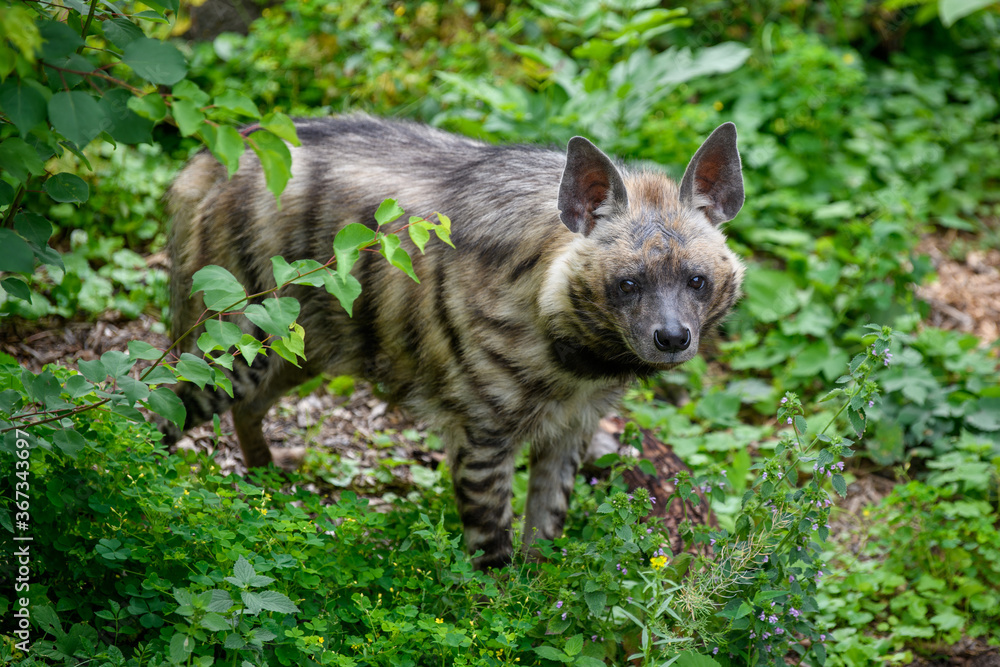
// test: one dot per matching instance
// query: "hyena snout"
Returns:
(675, 338)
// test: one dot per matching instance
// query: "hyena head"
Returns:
(652, 273)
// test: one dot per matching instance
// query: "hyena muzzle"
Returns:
(571, 276)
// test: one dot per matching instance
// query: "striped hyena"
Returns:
(571, 276)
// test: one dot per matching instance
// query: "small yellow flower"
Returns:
(439, 620)
(848, 58)
(658, 562)
(717, 105)
(400, 10)
(320, 640)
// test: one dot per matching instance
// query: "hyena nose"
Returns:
(677, 340)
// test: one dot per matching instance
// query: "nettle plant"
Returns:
(753, 600)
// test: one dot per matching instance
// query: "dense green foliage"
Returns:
(859, 132)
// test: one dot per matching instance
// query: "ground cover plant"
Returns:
(862, 126)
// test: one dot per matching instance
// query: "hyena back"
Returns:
(571, 277)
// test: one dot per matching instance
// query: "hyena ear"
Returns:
(589, 181)
(713, 181)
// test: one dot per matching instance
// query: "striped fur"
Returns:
(572, 276)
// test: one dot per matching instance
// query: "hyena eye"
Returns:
(628, 286)
(697, 282)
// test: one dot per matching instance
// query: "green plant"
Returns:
(928, 571)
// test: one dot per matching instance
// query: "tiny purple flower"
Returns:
(772, 619)
(711, 542)
(649, 531)
(593, 638)
(715, 651)
(794, 612)
(564, 616)
(593, 481)
(822, 638)
(558, 604)
(784, 400)
(789, 421)
(765, 635)
(779, 631)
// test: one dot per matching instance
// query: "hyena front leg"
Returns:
(482, 469)
(553, 467)
(255, 389)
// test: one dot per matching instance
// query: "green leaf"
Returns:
(249, 347)
(388, 211)
(275, 601)
(121, 32)
(281, 125)
(68, 440)
(397, 256)
(187, 115)
(67, 187)
(551, 653)
(346, 289)
(238, 103)
(224, 333)
(189, 90)
(214, 622)
(140, 349)
(77, 386)
(16, 288)
(646, 466)
(151, 106)
(857, 421)
(275, 160)
(192, 368)
(15, 255)
(418, 233)
(692, 659)
(127, 126)
(117, 363)
(443, 230)
(770, 295)
(574, 645)
(953, 10)
(839, 485)
(133, 389)
(23, 104)
(181, 646)
(347, 246)
(36, 229)
(228, 146)
(275, 315)
(76, 115)
(596, 601)
(59, 39)
(93, 370)
(165, 403)
(833, 393)
(800, 424)
(221, 288)
(6, 194)
(291, 346)
(19, 159)
(155, 61)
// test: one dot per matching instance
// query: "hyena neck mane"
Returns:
(591, 363)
